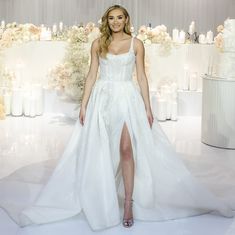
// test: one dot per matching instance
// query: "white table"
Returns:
(34, 59)
(32, 62)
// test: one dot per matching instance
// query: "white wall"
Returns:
(173, 13)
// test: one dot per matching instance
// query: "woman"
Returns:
(117, 155)
(116, 40)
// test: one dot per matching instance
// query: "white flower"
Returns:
(220, 28)
(163, 27)
(148, 42)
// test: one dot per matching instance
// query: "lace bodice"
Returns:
(118, 67)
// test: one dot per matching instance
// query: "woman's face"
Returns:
(116, 20)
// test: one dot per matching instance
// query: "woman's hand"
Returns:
(150, 117)
(82, 114)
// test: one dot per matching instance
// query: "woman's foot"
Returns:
(128, 215)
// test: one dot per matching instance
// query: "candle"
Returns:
(17, 102)
(161, 110)
(174, 111)
(3, 25)
(175, 35)
(32, 107)
(26, 105)
(61, 26)
(168, 109)
(191, 28)
(202, 39)
(186, 78)
(54, 28)
(209, 37)
(39, 102)
(48, 34)
(182, 37)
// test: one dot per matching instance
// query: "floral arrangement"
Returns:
(157, 35)
(19, 33)
(219, 38)
(69, 76)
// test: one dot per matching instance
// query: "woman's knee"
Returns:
(126, 152)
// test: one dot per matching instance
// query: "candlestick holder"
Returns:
(193, 38)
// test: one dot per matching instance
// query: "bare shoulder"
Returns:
(138, 45)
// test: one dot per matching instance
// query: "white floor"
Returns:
(25, 141)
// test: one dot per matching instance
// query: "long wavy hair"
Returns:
(106, 33)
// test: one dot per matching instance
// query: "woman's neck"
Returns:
(118, 36)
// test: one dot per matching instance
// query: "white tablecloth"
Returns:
(196, 57)
(32, 60)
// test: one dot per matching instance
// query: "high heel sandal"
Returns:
(127, 223)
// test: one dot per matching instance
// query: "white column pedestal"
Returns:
(218, 112)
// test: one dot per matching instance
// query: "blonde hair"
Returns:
(106, 33)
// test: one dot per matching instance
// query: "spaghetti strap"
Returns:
(131, 46)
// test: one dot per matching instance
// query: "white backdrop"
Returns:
(173, 13)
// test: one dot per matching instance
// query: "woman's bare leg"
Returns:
(127, 164)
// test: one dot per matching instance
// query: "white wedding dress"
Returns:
(87, 180)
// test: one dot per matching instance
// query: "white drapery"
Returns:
(173, 13)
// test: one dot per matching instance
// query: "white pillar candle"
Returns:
(185, 83)
(161, 110)
(174, 111)
(182, 37)
(54, 28)
(7, 103)
(38, 92)
(61, 26)
(3, 24)
(175, 35)
(202, 39)
(39, 102)
(49, 35)
(168, 109)
(17, 102)
(209, 37)
(192, 28)
(26, 105)
(166, 94)
(193, 82)
(32, 106)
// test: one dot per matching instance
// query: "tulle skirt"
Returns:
(87, 180)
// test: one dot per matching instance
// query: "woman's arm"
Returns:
(90, 79)
(142, 78)
(92, 74)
